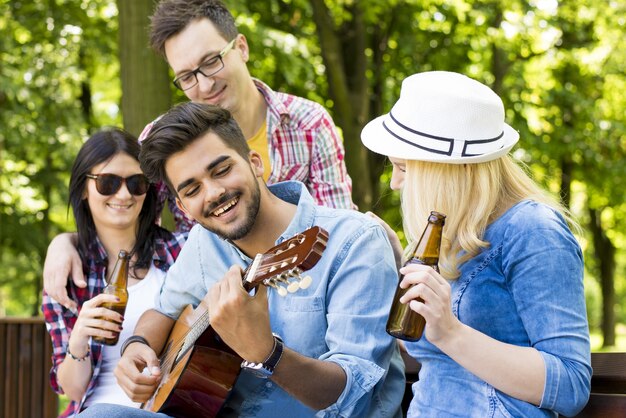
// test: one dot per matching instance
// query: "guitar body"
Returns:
(202, 378)
(199, 370)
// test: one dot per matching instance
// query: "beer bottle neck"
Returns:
(119, 275)
(427, 249)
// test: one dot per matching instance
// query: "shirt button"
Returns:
(268, 384)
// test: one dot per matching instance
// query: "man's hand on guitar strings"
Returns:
(130, 372)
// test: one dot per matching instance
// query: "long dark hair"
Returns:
(101, 147)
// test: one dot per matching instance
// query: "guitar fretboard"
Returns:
(194, 333)
(198, 327)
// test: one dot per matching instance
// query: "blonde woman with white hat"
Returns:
(506, 328)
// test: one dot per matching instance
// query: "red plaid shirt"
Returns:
(303, 145)
(60, 321)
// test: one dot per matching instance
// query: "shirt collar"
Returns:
(295, 192)
(277, 111)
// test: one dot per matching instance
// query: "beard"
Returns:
(248, 221)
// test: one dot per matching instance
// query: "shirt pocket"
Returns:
(302, 324)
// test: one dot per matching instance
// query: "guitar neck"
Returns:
(250, 272)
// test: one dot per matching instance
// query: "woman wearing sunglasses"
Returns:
(114, 206)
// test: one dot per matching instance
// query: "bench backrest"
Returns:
(25, 361)
(608, 387)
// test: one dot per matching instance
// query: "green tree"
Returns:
(145, 80)
(557, 66)
(48, 50)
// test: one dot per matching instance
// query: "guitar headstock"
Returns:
(280, 267)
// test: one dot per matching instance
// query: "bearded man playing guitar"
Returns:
(322, 351)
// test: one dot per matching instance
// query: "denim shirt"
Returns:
(340, 318)
(525, 289)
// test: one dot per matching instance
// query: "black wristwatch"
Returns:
(265, 369)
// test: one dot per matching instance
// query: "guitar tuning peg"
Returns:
(305, 282)
(293, 287)
(279, 289)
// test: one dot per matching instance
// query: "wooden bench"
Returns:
(608, 385)
(25, 361)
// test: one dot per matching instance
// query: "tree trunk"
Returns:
(567, 167)
(145, 80)
(379, 40)
(605, 255)
(343, 53)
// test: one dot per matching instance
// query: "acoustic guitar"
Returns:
(199, 369)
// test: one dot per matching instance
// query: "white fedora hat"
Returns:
(442, 117)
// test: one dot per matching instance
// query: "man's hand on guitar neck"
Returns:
(241, 320)
(243, 323)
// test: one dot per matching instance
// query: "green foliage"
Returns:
(53, 54)
(559, 68)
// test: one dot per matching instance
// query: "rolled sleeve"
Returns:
(361, 377)
(359, 296)
(565, 380)
(551, 270)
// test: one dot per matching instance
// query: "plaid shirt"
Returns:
(60, 321)
(303, 145)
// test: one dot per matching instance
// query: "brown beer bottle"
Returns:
(117, 286)
(403, 322)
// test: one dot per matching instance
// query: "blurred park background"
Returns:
(69, 67)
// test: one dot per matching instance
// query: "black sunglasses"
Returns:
(109, 184)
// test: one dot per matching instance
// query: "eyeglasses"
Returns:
(208, 68)
(109, 184)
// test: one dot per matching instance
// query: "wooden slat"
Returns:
(10, 398)
(37, 353)
(3, 367)
(50, 398)
(25, 361)
(602, 405)
(609, 373)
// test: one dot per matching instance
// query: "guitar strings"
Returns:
(174, 349)
(177, 345)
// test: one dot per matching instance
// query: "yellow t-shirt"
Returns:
(258, 143)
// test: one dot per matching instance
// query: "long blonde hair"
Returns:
(472, 196)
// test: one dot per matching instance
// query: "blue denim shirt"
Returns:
(525, 289)
(340, 318)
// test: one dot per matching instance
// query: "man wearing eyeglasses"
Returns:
(295, 137)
